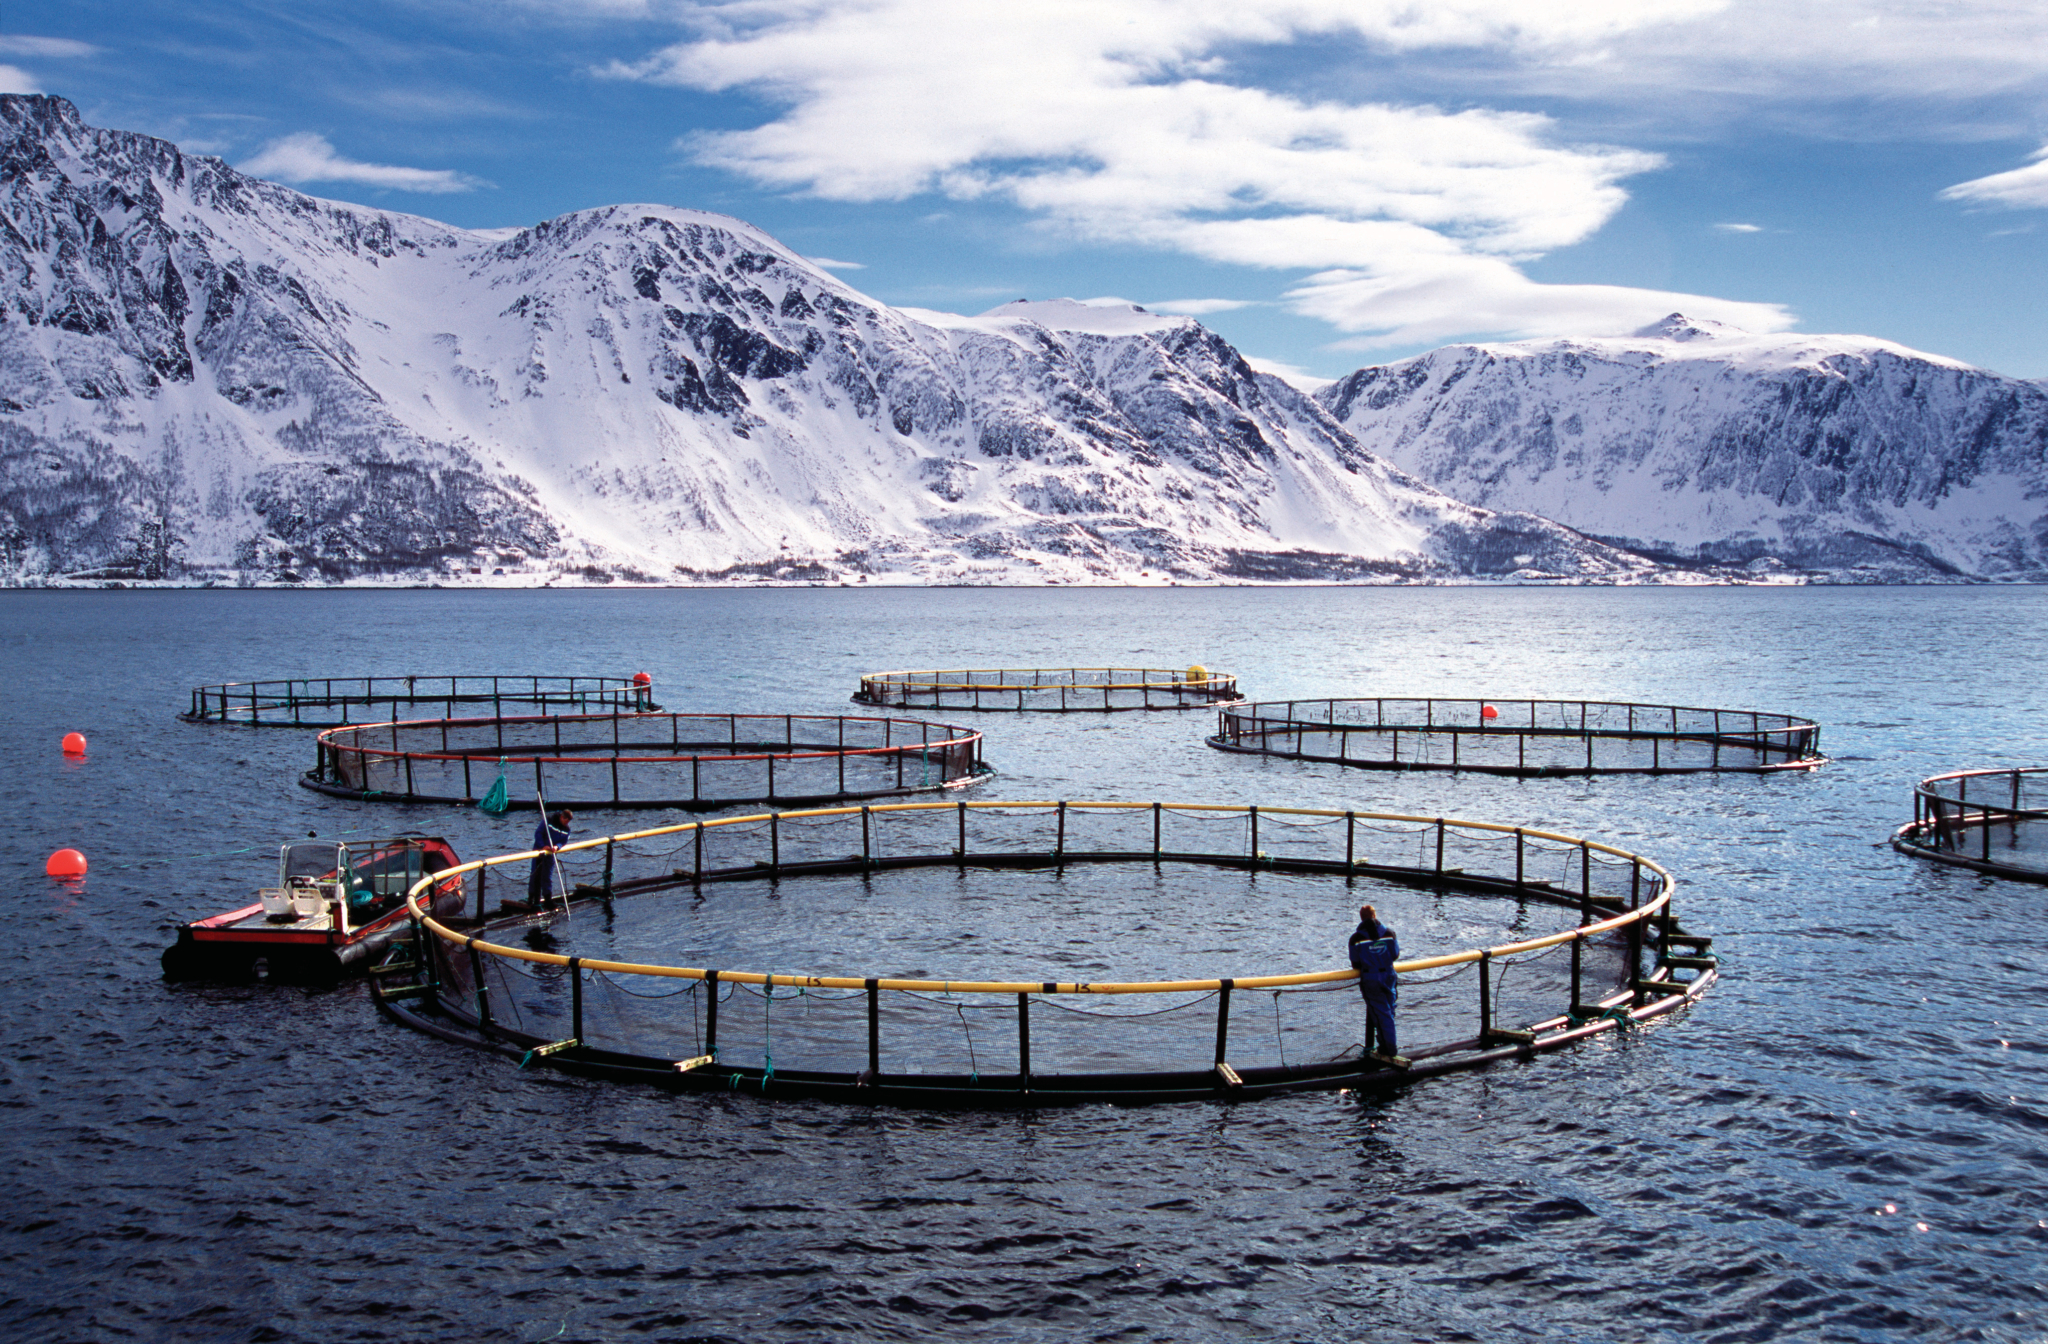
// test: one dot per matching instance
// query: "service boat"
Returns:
(335, 903)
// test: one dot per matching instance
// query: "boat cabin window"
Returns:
(390, 873)
(311, 861)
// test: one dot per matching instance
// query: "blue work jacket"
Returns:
(1374, 950)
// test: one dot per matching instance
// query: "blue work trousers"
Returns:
(1379, 1026)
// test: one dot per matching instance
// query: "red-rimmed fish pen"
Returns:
(335, 702)
(692, 761)
(1521, 737)
(654, 990)
(1053, 690)
(1993, 820)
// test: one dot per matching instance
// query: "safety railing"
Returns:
(876, 1037)
(1993, 820)
(333, 702)
(1520, 737)
(1049, 689)
(620, 760)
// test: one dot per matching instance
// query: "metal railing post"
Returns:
(711, 1014)
(874, 1027)
(1485, 993)
(576, 999)
(1024, 1042)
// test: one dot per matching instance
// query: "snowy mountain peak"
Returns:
(1699, 444)
(1679, 327)
(1099, 317)
(203, 375)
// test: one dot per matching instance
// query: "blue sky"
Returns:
(1329, 183)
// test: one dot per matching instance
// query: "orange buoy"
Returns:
(66, 863)
(1488, 712)
(74, 744)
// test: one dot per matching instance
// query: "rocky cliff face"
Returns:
(1839, 456)
(208, 377)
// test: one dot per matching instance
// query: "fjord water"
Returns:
(1847, 1139)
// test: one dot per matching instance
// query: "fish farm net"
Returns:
(997, 954)
(693, 761)
(332, 702)
(1993, 820)
(1050, 689)
(1521, 737)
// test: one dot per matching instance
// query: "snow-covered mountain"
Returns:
(1844, 456)
(203, 375)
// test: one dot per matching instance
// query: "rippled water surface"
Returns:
(1848, 1139)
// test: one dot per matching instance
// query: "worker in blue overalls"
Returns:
(551, 834)
(1374, 950)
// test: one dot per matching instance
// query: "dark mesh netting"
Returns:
(1178, 922)
(330, 702)
(1049, 689)
(646, 760)
(1995, 820)
(1521, 737)
(975, 942)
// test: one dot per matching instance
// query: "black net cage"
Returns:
(331, 702)
(1994, 820)
(999, 954)
(658, 760)
(1049, 689)
(1521, 737)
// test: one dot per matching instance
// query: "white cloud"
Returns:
(24, 44)
(2021, 187)
(1198, 307)
(1740, 228)
(309, 158)
(13, 79)
(1288, 373)
(1423, 298)
(831, 265)
(1890, 70)
(1114, 123)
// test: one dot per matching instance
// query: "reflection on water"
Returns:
(1843, 1141)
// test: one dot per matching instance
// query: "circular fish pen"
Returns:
(674, 982)
(1521, 737)
(689, 761)
(1993, 820)
(328, 702)
(1052, 690)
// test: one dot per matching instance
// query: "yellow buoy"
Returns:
(1196, 672)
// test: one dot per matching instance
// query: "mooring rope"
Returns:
(973, 1064)
(1053, 1001)
(689, 987)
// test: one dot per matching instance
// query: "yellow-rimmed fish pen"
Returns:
(1053, 690)
(676, 981)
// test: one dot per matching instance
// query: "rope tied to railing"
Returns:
(767, 1033)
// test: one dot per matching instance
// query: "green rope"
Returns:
(768, 1034)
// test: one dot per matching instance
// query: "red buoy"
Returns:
(642, 679)
(1488, 712)
(74, 744)
(66, 863)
